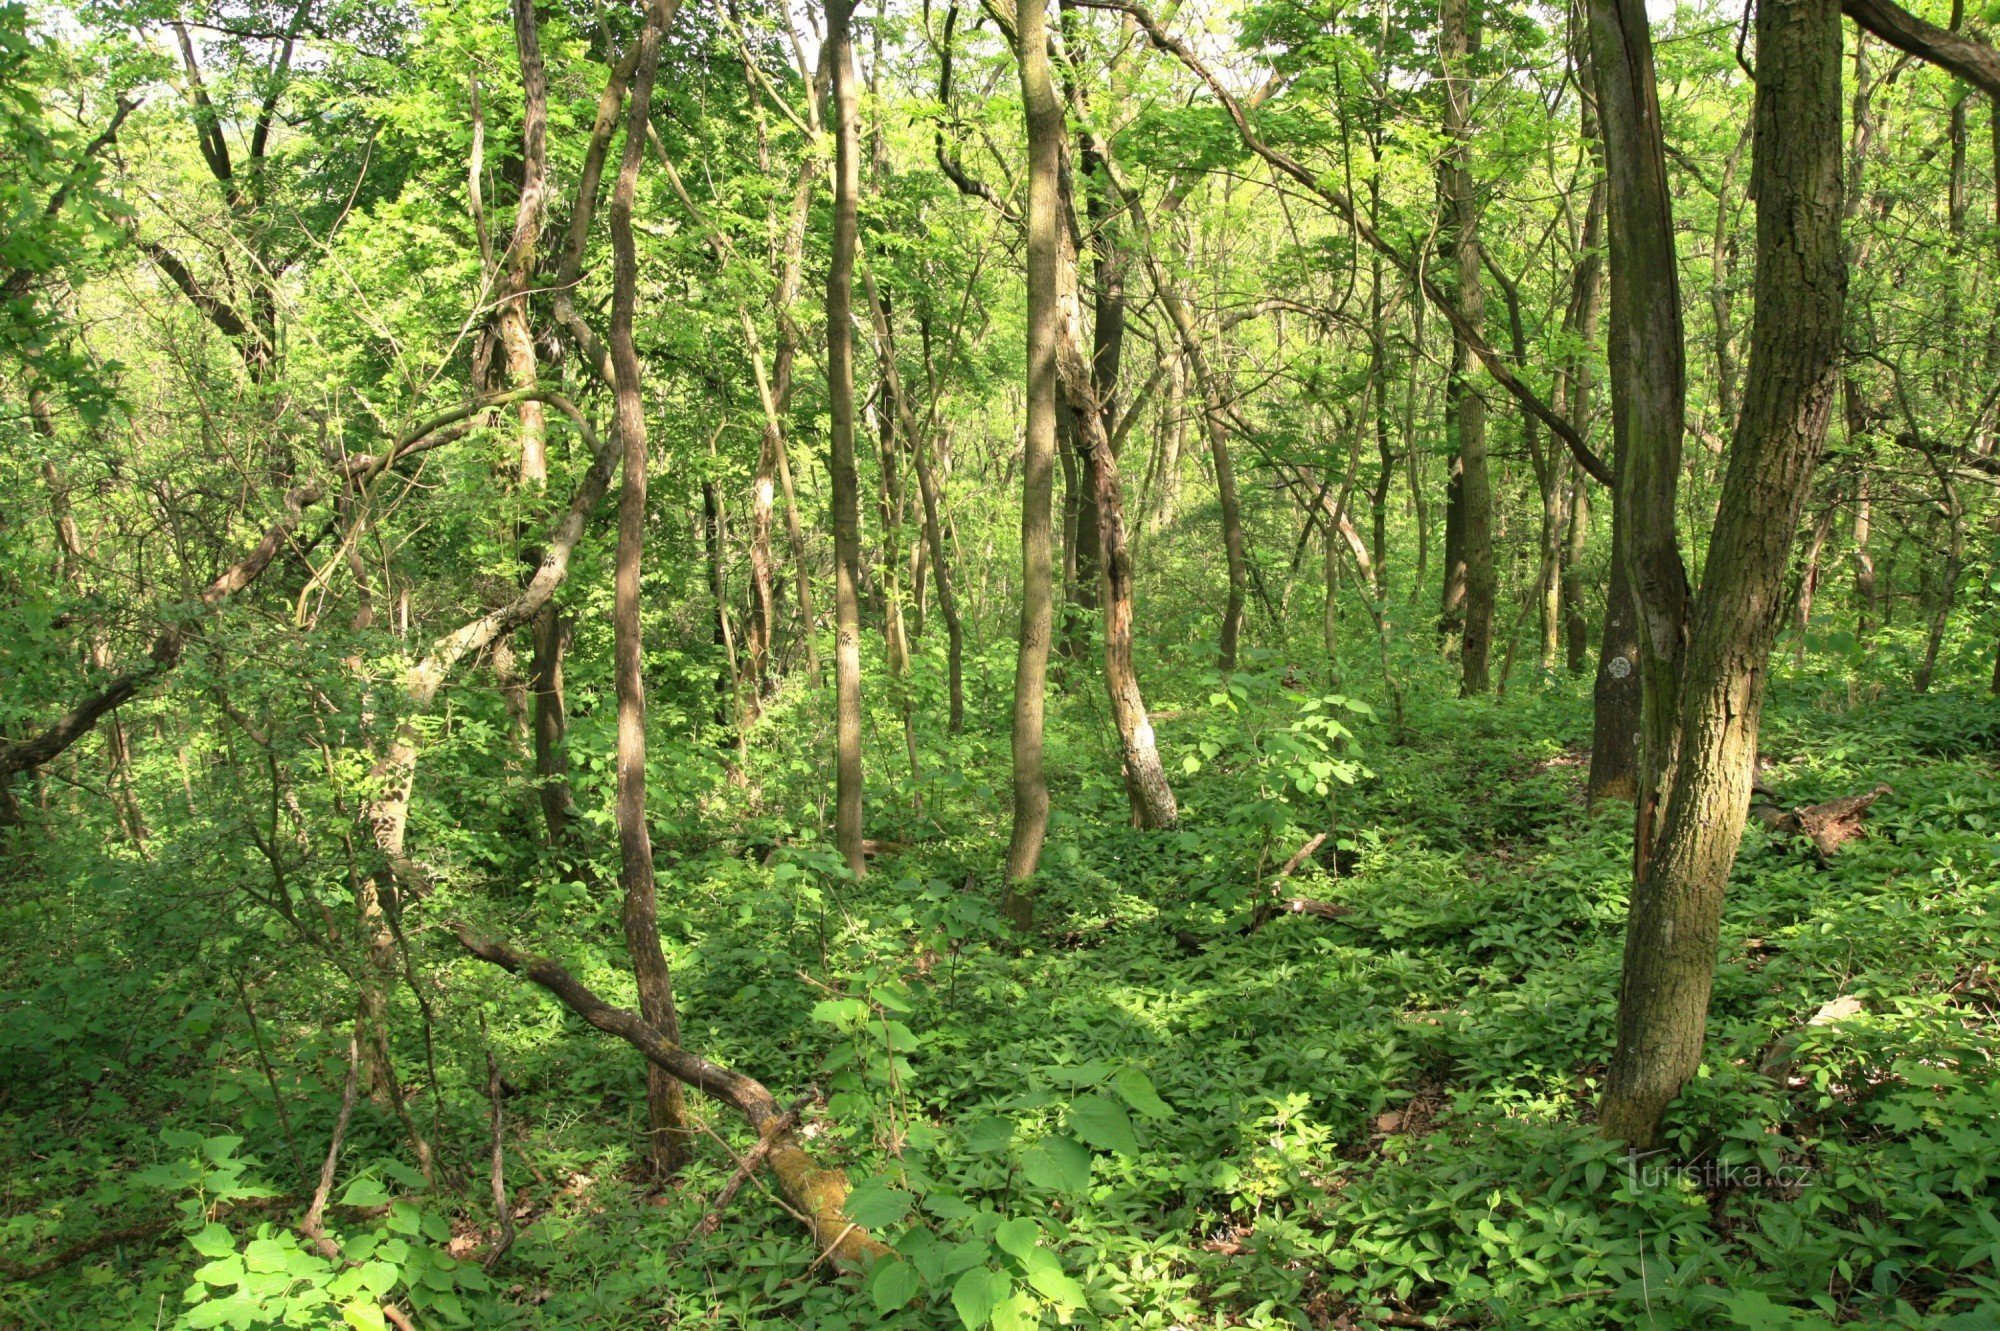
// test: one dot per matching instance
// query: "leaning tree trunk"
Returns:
(840, 408)
(666, 1114)
(1671, 939)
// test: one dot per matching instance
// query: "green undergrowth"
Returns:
(1152, 1110)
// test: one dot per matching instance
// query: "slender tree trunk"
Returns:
(1044, 117)
(1173, 433)
(840, 391)
(1469, 574)
(545, 680)
(1576, 615)
(1215, 408)
(1645, 618)
(1863, 557)
(927, 486)
(517, 273)
(1082, 557)
(668, 1137)
(1802, 603)
(1681, 873)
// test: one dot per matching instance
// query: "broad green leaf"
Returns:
(986, 1135)
(364, 1192)
(1016, 1312)
(1017, 1236)
(1135, 1088)
(1058, 1163)
(876, 1202)
(1053, 1284)
(976, 1294)
(363, 1316)
(213, 1241)
(893, 1283)
(1103, 1123)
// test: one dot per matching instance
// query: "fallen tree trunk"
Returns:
(1829, 826)
(817, 1194)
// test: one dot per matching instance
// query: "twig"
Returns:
(745, 1167)
(314, 1226)
(1300, 857)
(502, 1208)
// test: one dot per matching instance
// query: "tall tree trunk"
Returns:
(517, 274)
(840, 392)
(1863, 557)
(1576, 615)
(1646, 614)
(1173, 433)
(1215, 419)
(927, 486)
(1469, 571)
(545, 681)
(1044, 117)
(667, 1137)
(1715, 695)
(1082, 558)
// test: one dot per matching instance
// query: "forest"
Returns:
(999, 663)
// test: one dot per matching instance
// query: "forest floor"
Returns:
(1146, 1112)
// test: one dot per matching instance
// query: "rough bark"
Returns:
(1044, 117)
(1646, 351)
(1469, 580)
(1676, 911)
(840, 392)
(668, 1142)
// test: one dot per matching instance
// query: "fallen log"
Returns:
(1828, 826)
(818, 1194)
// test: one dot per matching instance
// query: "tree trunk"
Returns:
(1681, 872)
(668, 1138)
(545, 681)
(928, 488)
(1469, 571)
(517, 273)
(1044, 117)
(1864, 558)
(1576, 615)
(1648, 394)
(1215, 407)
(840, 392)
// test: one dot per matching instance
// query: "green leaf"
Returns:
(1053, 1284)
(893, 1283)
(1058, 1163)
(1135, 1088)
(876, 1202)
(219, 1149)
(1100, 1121)
(223, 1271)
(1016, 1312)
(976, 1294)
(1017, 1237)
(986, 1135)
(213, 1241)
(264, 1255)
(840, 1011)
(365, 1192)
(364, 1317)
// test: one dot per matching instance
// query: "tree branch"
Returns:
(1960, 53)
(1343, 206)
